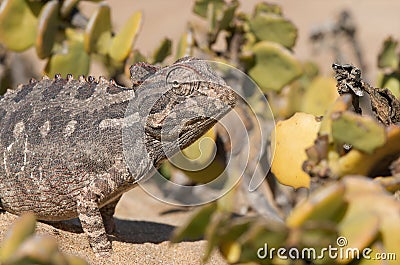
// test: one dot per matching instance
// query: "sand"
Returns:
(143, 226)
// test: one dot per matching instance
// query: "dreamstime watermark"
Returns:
(181, 81)
(340, 252)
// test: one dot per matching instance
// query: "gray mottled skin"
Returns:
(70, 148)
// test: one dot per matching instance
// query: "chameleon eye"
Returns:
(175, 84)
(181, 80)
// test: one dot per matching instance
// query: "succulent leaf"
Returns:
(319, 95)
(97, 35)
(47, 29)
(18, 20)
(201, 7)
(274, 66)
(360, 192)
(292, 137)
(228, 15)
(362, 163)
(341, 104)
(275, 28)
(185, 45)
(197, 226)
(21, 230)
(362, 132)
(198, 161)
(163, 51)
(316, 208)
(264, 7)
(71, 58)
(388, 56)
(390, 81)
(122, 43)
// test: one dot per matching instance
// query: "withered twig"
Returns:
(384, 104)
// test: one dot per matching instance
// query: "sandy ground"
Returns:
(143, 223)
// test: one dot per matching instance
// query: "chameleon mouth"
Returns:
(199, 123)
(223, 93)
(195, 121)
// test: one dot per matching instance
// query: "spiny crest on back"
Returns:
(60, 83)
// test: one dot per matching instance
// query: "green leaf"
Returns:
(299, 87)
(18, 21)
(201, 7)
(69, 59)
(320, 94)
(362, 192)
(162, 51)
(47, 29)
(388, 56)
(97, 37)
(267, 8)
(359, 162)
(362, 132)
(122, 43)
(231, 250)
(341, 104)
(228, 15)
(198, 161)
(271, 27)
(216, 224)
(196, 226)
(228, 237)
(315, 207)
(203, 149)
(165, 170)
(185, 45)
(261, 233)
(390, 81)
(359, 229)
(275, 66)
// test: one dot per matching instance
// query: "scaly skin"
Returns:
(71, 148)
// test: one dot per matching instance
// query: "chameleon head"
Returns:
(183, 102)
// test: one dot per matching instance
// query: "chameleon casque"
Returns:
(71, 147)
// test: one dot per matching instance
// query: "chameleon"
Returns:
(71, 147)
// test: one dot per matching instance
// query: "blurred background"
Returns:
(375, 20)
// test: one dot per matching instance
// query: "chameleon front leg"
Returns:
(92, 224)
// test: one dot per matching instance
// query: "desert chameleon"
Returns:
(71, 147)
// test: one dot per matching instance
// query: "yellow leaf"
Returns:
(123, 41)
(291, 138)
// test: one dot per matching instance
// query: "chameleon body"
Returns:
(71, 147)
